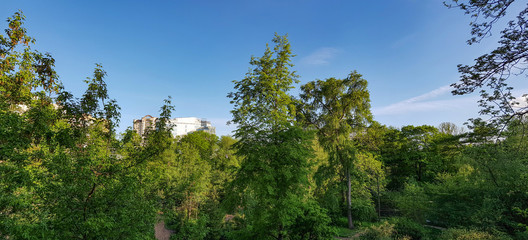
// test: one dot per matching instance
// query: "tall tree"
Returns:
(261, 101)
(272, 181)
(27, 79)
(337, 108)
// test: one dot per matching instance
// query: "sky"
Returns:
(407, 50)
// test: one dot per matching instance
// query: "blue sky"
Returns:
(192, 50)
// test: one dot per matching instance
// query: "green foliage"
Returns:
(270, 188)
(186, 182)
(192, 174)
(23, 71)
(418, 153)
(344, 232)
(495, 172)
(329, 195)
(465, 234)
(395, 228)
(362, 209)
(405, 227)
(370, 174)
(383, 231)
(261, 101)
(191, 229)
(272, 180)
(64, 174)
(413, 202)
(312, 223)
(336, 108)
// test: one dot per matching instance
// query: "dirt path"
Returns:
(161, 232)
(355, 236)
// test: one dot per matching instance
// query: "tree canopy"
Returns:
(491, 71)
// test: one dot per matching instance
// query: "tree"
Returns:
(65, 175)
(450, 128)
(197, 168)
(337, 108)
(418, 141)
(418, 153)
(370, 170)
(492, 70)
(185, 186)
(27, 79)
(262, 103)
(271, 184)
(23, 71)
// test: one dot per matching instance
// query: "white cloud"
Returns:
(422, 103)
(432, 94)
(321, 56)
(520, 104)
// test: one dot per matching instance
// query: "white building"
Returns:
(180, 126)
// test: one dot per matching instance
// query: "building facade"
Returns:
(183, 126)
(146, 122)
(180, 126)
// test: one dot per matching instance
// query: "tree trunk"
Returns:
(419, 172)
(349, 200)
(281, 236)
(379, 198)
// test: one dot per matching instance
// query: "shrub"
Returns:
(465, 234)
(383, 231)
(407, 227)
(341, 222)
(413, 202)
(363, 209)
(191, 229)
(314, 223)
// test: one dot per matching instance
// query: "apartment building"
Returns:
(143, 124)
(180, 126)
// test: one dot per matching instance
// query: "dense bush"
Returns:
(340, 222)
(312, 224)
(363, 209)
(465, 234)
(406, 227)
(413, 202)
(191, 229)
(383, 231)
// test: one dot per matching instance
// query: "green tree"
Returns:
(419, 153)
(64, 173)
(186, 185)
(337, 108)
(493, 171)
(25, 74)
(272, 182)
(262, 103)
(371, 172)
(199, 165)
(418, 141)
